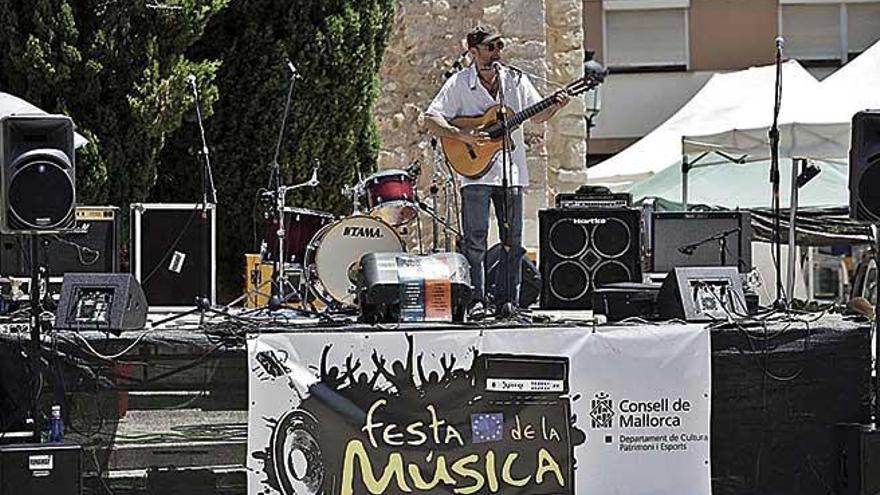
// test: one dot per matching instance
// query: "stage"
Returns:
(176, 403)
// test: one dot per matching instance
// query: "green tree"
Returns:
(337, 46)
(118, 68)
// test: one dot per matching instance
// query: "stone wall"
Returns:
(545, 39)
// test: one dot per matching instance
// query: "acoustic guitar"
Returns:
(473, 161)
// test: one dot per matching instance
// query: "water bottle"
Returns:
(56, 425)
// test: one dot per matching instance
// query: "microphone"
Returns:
(293, 72)
(191, 79)
(595, 70)
(780, 42)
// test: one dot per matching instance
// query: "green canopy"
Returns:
(746, 185)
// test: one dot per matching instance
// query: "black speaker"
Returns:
(529, 289)
(168, 253)
(581, 249)
(701, 294)
(92, 245)
(113, 302)
(41, 469)
(864, 167)
(37, 173)
(694, 238)
(858, 459)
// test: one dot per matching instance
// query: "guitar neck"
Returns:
(524, 115)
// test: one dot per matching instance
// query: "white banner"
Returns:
(624, 410)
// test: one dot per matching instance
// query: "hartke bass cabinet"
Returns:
(474, 161)
(582, 250)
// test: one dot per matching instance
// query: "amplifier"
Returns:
(587, 201)
(41, 469)
(168, 253)
(581, 250)
(694, 238)
(405, 287)
(91, 246)
(622, 300)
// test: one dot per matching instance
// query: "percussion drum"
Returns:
(300, 227)
(391, 197)
(333, 255)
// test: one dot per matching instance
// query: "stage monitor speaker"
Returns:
(864, 167)
(92, 245)
(581, 249)
(168, 256)
(37, 174)
(858, 459)
(112, 302)
(41, 469)
(702, 294)
(693, 238)
(530, 288)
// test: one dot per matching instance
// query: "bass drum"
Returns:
(335, 251)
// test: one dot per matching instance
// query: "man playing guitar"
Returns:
(471, 92)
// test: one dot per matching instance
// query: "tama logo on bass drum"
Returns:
(364, 232)
(589, 221)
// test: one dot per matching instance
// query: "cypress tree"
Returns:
(337, 47)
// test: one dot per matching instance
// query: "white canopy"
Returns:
(722, 102)
(816, 126)
(13, 105)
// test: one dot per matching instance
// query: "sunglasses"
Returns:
(494, 46)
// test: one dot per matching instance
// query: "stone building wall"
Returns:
(545, 39)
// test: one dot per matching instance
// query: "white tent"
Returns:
(13, 105)
(818, 126)
(716, 107)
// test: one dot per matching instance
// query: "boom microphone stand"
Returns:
(774, 174)
(209, 196)
(280, 194)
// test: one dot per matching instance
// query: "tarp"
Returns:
(13, 105)
(747, 185)
(716, 107)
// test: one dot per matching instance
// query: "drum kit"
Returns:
(320, 253)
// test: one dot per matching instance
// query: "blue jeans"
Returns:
(475, 225)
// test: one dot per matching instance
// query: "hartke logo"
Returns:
(356, 231)
(590, 221)
(602, 411)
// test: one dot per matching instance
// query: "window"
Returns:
(828, 32)
(646, 35)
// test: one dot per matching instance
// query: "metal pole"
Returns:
(685, 168)
(792, 230)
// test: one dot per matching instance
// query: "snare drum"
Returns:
(391, 196)
(335, 251)
(300, 227)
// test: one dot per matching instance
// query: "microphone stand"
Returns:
(774, 175)
(508, 309)
(721, 237)
(209, 196)
(280, 193)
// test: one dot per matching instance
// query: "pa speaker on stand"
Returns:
(864, 167)
(37, 174)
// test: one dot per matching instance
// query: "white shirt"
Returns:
(464, 96)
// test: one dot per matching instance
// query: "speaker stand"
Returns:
(36, 330)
